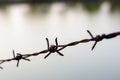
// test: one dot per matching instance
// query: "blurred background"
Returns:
(24, 25)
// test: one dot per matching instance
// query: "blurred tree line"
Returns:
(89, 5)
(36, 1)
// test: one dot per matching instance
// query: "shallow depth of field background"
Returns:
(24, 27)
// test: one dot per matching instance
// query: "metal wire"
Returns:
(57, 48)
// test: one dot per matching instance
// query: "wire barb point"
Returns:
(18, 57)
(1, 67)
(52, 48)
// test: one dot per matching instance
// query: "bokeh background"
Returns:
(24, 25)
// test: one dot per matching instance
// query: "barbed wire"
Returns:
(57, 48)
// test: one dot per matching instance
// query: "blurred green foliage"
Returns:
(13, 1)
(91, 7)
(38, 6)
(41, 9)
(115, 7)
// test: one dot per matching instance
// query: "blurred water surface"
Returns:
(24, 27)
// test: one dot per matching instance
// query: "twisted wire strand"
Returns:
(58, 48)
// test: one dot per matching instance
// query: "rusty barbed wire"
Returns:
(57, 48)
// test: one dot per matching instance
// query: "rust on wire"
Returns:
(52, 48)
(57, 48)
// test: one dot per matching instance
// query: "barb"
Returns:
(1, 67)
(19, 57)
(57, 48)
(53, 48)
(99, 38)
